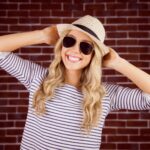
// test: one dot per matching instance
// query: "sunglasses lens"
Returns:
(68, 41)
(86, 48)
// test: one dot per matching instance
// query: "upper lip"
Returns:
(73, 56)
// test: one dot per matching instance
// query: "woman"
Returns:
(68, 103)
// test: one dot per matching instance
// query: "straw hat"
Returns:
(90, 26)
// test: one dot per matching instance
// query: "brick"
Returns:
(145, 131)
(138, 35)
(19, 123)
(115, 123)
(8, 94)
(144, 13)
(82, 1)
(106, 146)
(17, 116)
(127, 131)
(145, 146)
(8, 20)
(137, 6)
(140, 63)
(22, 109)
(27, 21)
(7, 139)
(75, 6)
(7, 109)
(116, 20)
(17, 87)
(60, 13)
(51, 6)
(50, 20)
(117, 138)
(138, 20)
(128, 116)
(18, 102)
(6, 124)
(109, 131)
(12, 147)
(15, 13)
(39, 13)
(127, 42)
(110, 28)
(126, 13)
(29, 6)
(144, 57)
(94, 6)
(145, 115)
(8, 6)
(116, 6)
(2, 117)
(127, 146)
(2, 13)
(110, 42)
(19, 28)
(140, 138)
(141, 49)
(130, 56)
(144, 42)
(3, 27)
(117, 34)
(105, 13)
(143, 27)
(67, 20)
(14, 132)
(137, 123)
(127, 27)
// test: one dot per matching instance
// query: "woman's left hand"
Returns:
(111, 59)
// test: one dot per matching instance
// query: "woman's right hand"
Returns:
(51, 35)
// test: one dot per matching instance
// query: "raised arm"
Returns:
(137, 76)
(12, 42)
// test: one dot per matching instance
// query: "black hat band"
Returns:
(86, 29)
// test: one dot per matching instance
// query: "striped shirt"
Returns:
(59, 127)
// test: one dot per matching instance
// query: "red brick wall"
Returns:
(127, 23)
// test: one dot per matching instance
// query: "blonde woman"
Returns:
(68, 102)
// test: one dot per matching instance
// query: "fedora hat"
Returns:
(90, 26)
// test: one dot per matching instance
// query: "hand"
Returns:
(51, 35)
(111, 59)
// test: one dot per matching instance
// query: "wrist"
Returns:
(43, 36)
(119, 64)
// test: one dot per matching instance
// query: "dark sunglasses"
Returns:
(85, 47)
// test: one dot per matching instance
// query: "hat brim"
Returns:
(61, 28)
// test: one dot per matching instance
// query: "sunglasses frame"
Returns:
(80, 48)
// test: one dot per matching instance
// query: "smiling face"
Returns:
(72, 57)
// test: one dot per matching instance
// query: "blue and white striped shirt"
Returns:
(59, 127)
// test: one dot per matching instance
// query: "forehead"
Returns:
(80, 35)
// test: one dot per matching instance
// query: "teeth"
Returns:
(74, 59)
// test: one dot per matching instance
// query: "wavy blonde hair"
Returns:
(90, 86)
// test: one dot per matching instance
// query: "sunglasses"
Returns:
(85, 47)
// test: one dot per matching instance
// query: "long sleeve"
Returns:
(25, 71)
(127, 98)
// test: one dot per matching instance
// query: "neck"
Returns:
(72, 77)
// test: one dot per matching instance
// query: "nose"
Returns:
(76, 47)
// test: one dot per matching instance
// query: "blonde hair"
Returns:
(90, 86)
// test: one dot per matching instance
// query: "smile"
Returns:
(73, 59)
